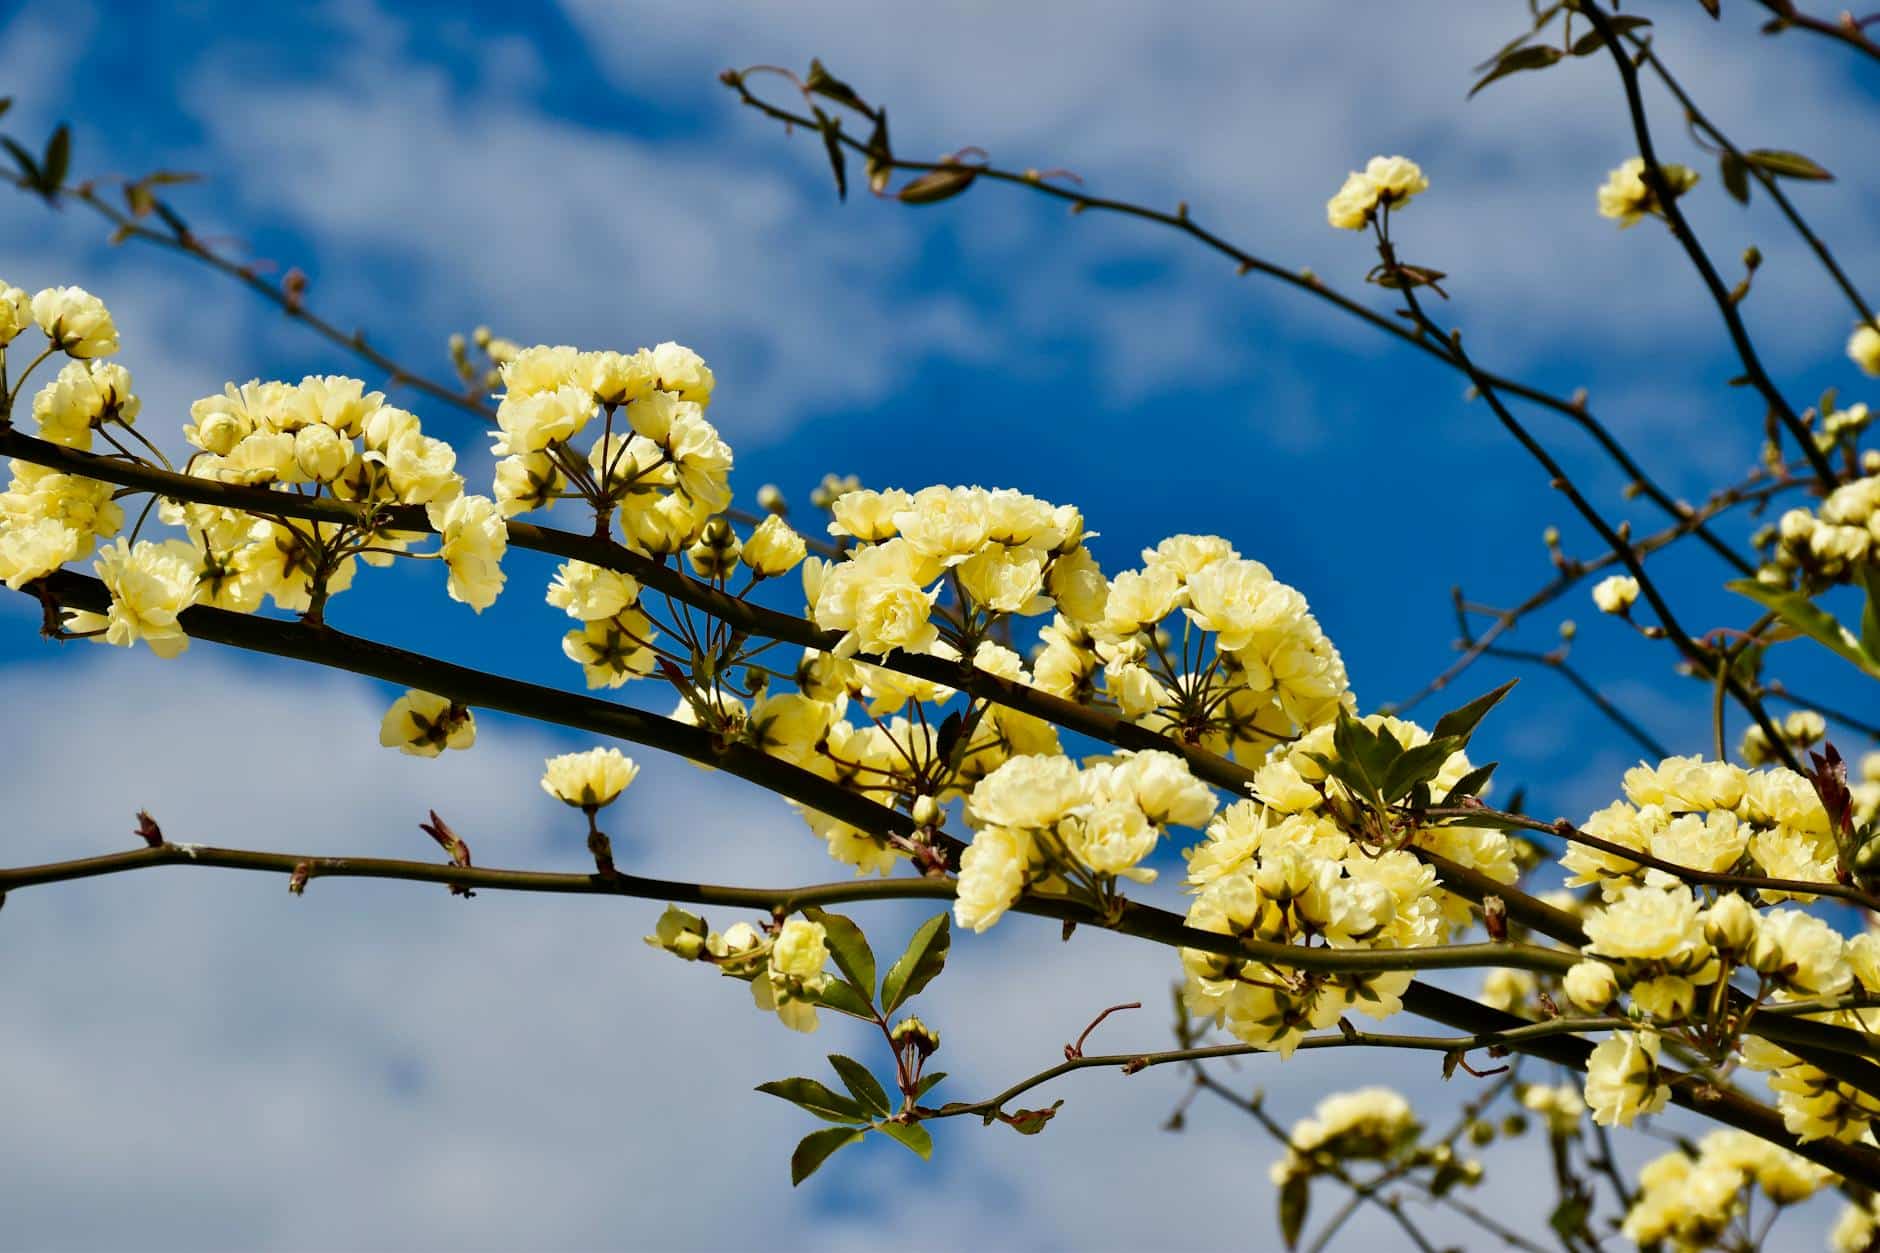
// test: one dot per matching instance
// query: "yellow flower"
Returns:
(773, 549)
(1622, 1078)
(151, 584)
(76, 321)
(1615, 593)
(474, 540)
(423, 725)
(16, 312)
(1863, 348)
(800, 949)
(992, 876)
(1384, 181)
(589, 780)
(1627, 198)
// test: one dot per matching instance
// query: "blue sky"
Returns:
(574, 173)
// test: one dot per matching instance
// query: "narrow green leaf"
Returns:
(936, 185)
(815, 1098)
(823, 83)
(1417, 765)
(1811, 620)
(1870, 614)
(1533, 57)
(24, 159)
(832, 144)
(1462, 722)
(1363, 756)
(1593, 40)
(916, 1137)
(879, 165)
(58, 159)
(1787, 164)
(928, 1083)
(861, 1085)
(818, 1147)
(848, 946)
(1295, 1198)
(1470, 784)
(1735, 174)
(926, 955)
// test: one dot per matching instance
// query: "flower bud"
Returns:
(773, 548)
(1731, 924)
(716, 553)
(321, 454)
(770, 500)
(1615, 593)
(913, 1033)
(926, 811)
(1591, 985)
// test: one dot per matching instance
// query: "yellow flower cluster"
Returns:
(1283, 868)
(1001, 551)
(1385, 182)
(1369, 1124)
(1044, 822)
(1626, 198)
(1832, 542)
(657, 467)
(1656, 940)
(1686, 1202)
(1711, 816)
(48, 518)
(1252, 669)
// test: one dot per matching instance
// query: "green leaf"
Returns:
(58, 159)
(926, 955)
(818, 1147)
(24, 159)
(936, 185)
(928, 1083)
(1870, 615)
(916, 1137)
(1417, 765)
(1735, 174)
(879, 164)
(1787, 164)
(1811, 620)
(1462, 722)
(849, 947)
(832, 144)
(823, 83)
(1362, 757)
(1295, 1198)
(1593, 40)
(844, 999)
(861, 1085)
(1470, 784)
(1534, 57)
(815, 1098)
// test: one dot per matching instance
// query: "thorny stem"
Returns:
(1687, 238)
(1573, 409)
